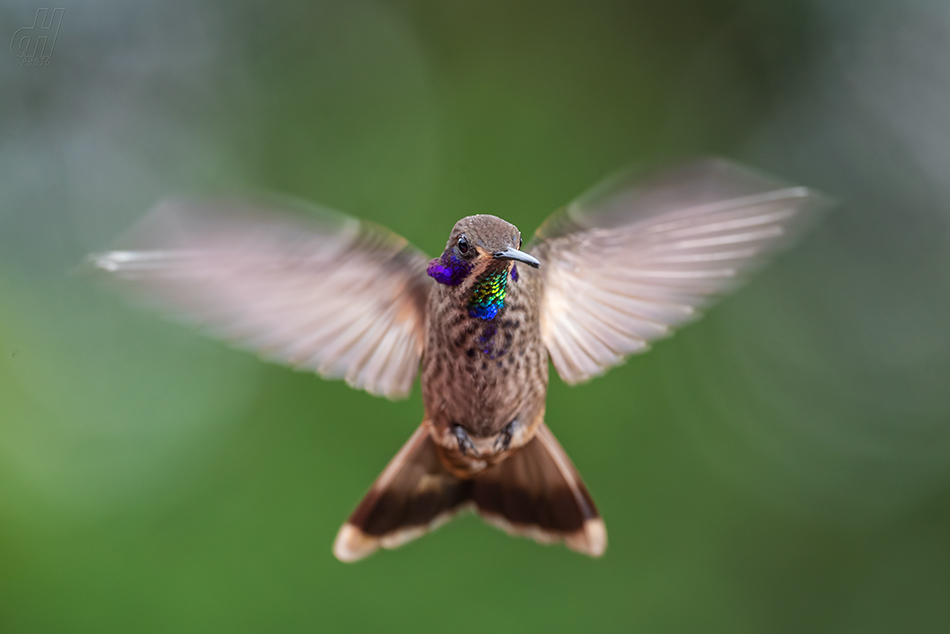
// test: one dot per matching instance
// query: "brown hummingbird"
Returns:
(619, 267)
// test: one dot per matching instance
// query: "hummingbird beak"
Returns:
(518, 256)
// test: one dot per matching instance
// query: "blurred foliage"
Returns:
(781, 466)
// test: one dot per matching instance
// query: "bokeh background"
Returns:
(781, 466)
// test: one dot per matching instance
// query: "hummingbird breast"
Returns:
(483, 374)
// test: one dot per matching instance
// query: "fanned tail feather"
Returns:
(535, 492)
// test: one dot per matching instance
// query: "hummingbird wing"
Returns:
(634, 258)
(319, 291)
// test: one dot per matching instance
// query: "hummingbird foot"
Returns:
(504, 437)
(464, 440)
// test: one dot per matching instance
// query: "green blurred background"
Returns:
(781, 466)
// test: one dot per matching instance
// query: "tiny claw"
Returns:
(504, 438)
(464, 441)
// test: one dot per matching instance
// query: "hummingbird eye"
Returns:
(463, 245)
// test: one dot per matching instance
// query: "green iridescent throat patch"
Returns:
(488, 295)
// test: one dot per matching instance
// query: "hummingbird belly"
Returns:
(488, 377)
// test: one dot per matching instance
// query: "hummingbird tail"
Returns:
(412, 496)
(535, 492)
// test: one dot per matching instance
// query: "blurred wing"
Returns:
(632, 259)
(321, 292)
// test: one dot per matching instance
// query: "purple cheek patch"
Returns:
(448, 270)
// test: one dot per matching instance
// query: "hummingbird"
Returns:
(618, 268)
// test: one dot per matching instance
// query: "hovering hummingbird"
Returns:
(618, 268)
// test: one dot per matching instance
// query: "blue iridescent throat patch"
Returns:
(449, 269)
(488, 295)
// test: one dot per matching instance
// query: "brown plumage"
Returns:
(618, 268)
(482, 374)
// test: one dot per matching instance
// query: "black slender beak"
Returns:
(516, 255)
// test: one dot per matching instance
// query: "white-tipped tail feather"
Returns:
(535, 492)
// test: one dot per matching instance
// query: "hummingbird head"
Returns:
(479, 244)
(480, 255)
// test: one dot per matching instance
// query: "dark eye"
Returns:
(463, 245)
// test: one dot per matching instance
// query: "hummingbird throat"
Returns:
(488, 294)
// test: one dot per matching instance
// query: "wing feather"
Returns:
(318, 291)
(633, 259)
